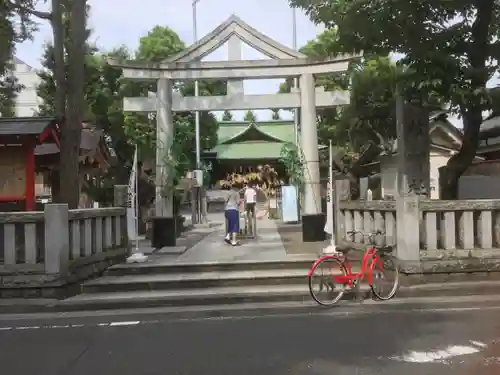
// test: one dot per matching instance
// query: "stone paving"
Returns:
(211, 247)
(267, 246)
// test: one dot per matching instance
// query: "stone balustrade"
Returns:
(93, 231)
(459, 228)
(367, 217)
(22, 243)
(46, 250)
(430, 236)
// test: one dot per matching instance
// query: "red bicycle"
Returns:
(377, 264)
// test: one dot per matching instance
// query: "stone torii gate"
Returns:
(285, 62)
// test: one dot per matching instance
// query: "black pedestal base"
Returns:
(313, 228)
(164, 232)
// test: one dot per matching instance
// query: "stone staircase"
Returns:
(194, 284)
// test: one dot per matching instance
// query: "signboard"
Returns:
(329, 212)
(289, 204)
(198, 175)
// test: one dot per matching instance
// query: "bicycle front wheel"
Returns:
(322, 286)
(385, 277)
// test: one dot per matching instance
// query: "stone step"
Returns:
(189, 280)
(212, 300)
(155, 266)
(186, 297)
(235, 295)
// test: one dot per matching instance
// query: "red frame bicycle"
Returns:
(374, 256)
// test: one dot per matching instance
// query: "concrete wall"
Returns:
(437, 160)
(479, 187)
(389, 173)
(27, 101)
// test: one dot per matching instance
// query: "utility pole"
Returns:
(295, 80)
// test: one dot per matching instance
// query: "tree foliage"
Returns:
(159, 44)
(276, 114)
(450, 47)
(250, 116)
(9, 89)
(104, 91)
(16, 26)
(227, 116)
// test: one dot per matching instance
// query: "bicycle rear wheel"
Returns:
(329, 292)
(385, 277)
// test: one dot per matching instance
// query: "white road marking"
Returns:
(437, 355)
(333, 314)
(478, 343)
(29, 327)
(131, 323)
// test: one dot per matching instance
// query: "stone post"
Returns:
(340, 193)
(120, 196)
(56, 238)
(313, 219)
(234, 86)
(164, 230)
(413, 149)
(121, 199)
(413, 180)
(164, 139)
(309, 140)
(408, 233)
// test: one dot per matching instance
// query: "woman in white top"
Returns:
(250, 199)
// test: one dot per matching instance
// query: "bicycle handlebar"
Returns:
(370, 235)
(378, 232)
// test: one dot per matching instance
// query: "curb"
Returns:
(298, 299)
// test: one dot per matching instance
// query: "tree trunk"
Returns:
(60, 83)
(449, 175)
(71, 134)
(59, 63)
(477, 54)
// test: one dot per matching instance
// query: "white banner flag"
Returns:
(132, 216)
(329, 198)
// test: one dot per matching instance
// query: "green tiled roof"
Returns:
(249, 150)
(281, 130)
(246, 140)
(226, 132)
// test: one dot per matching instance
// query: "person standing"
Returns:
(250, 196)
(232, 214)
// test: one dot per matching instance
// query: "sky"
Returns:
(123, 22)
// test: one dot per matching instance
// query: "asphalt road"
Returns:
(455, 338)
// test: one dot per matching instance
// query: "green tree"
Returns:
(16, 26)
(451, 47)
(250, 116)
(62, 88)
(330, 126)
(276, 114)
(227, 116)
(159, 44)
(9, 89)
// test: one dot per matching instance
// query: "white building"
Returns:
(27, 101)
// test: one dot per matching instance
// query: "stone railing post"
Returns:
(120, 199)
(120, 196)
(408, 233)
(340, 193)
(56, 238)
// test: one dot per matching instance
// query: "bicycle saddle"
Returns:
(385, 249)
(343, 248)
